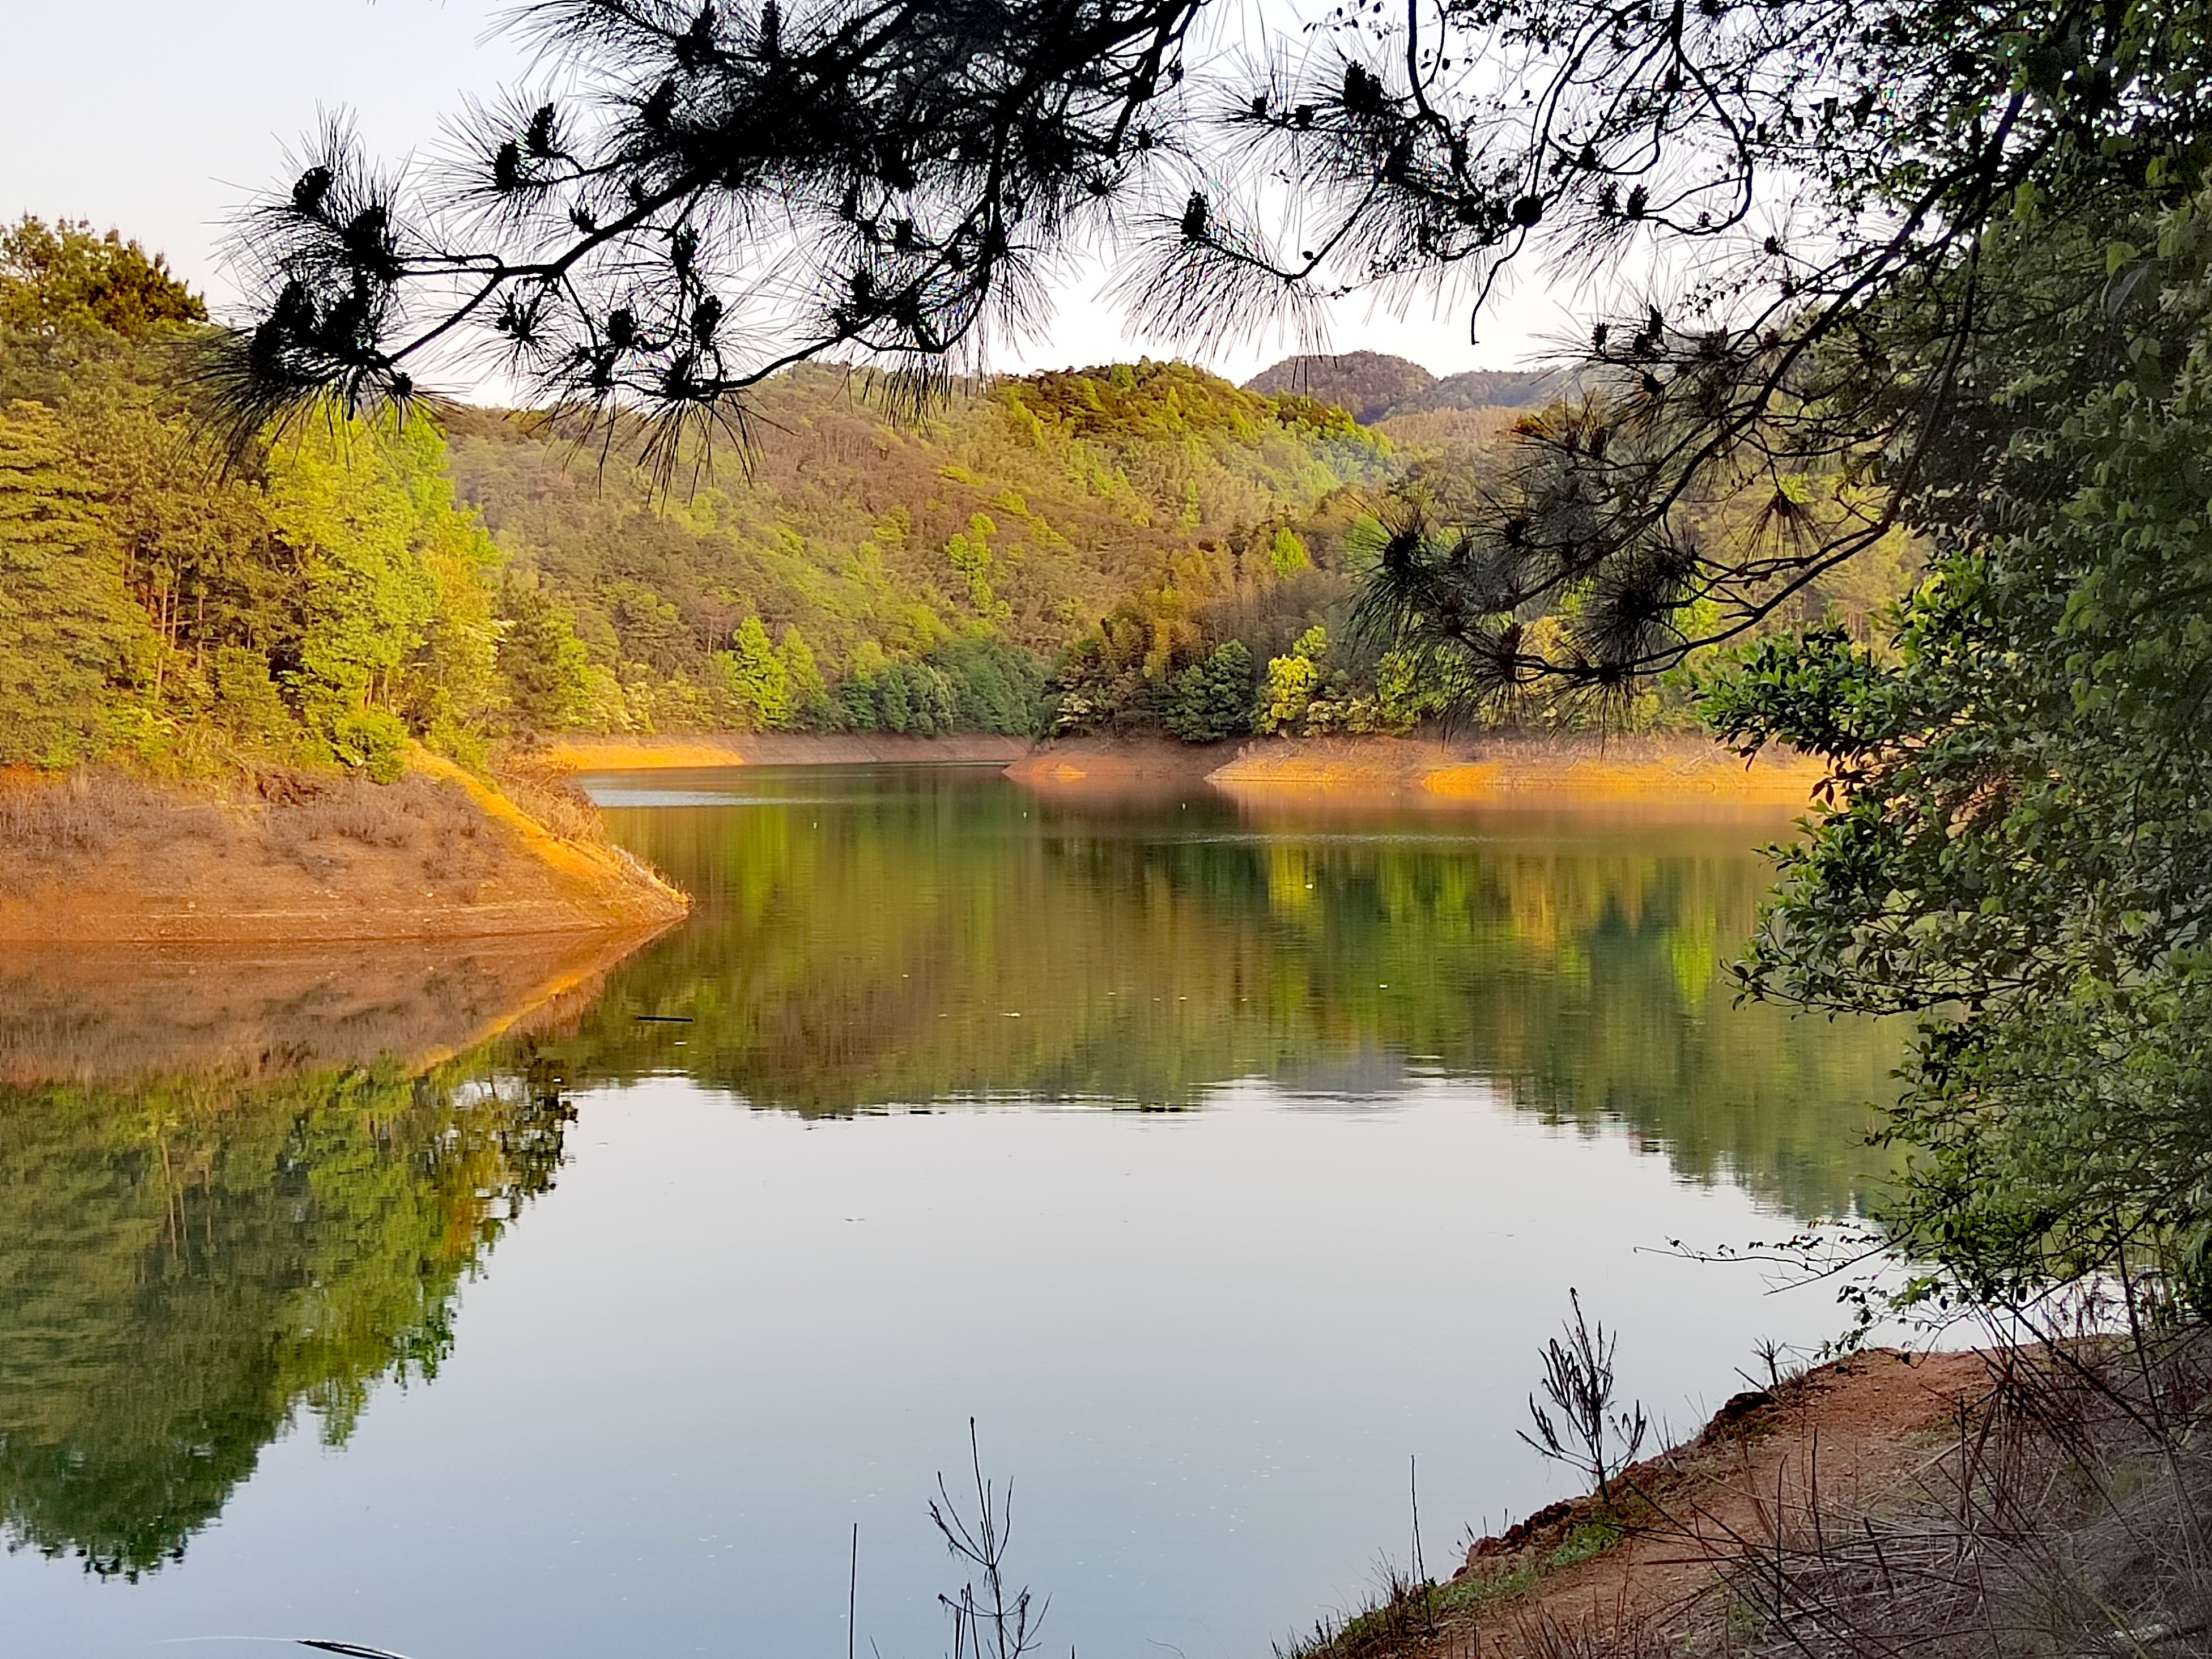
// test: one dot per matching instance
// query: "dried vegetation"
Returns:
(57, 830)
(2061, 1512)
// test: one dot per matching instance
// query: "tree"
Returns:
(753, 688)
(1290, 682)
(1948, 280)
(323, 598)
(67, 627)
(812, 709)
(545, 666)
(1826, 161)
(2020, 850)
(1212, 699)
(336, 497)
(61, 277)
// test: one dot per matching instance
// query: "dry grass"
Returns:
(309, 818)
(53, 829)
(2065, 1513)
(48, 828)
(2069, 1517)
(547, 790)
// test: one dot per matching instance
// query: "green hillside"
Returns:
(852, 570)
(1133, 548)
(469, 577)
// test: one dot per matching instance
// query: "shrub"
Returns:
(371, 742)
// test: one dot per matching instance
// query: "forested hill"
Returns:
(1371, 385)
(1140, 547)
(845, 557)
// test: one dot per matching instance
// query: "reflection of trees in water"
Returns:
(846, 956)
(184, 1265)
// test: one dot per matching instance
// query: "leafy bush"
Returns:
(371, 742)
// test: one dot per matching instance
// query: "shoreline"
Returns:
(1514, 771)
(1500, 770)
(703, 750)
(1853, 1437)
(101, 858)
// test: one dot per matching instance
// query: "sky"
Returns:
(158, 117)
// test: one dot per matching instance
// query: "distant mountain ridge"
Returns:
(1372, 385)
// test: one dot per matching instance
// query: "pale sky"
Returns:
(156, 118)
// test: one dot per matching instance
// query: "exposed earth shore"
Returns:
(102, 858)
(1853, 1437)
(1486, 768)
(1517, 770)
(109, 859)
(688, 749)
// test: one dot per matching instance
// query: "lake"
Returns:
(1225, 1158)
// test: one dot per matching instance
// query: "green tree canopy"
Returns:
(2020, 847)
(67, 630)
(61, 276)
(1832, 167)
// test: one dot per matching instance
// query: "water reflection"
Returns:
(236, 1184)
(114, 1014)
(186, 1266)
(863, 940)
(241, 1190)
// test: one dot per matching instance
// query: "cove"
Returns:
(1216, 1154)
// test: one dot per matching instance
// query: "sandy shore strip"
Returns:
(709, 748)
(1521, 771)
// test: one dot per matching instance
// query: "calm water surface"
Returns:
(1216, 1155)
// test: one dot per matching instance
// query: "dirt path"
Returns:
(1850, 1433)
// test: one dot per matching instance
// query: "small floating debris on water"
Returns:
(665, 1019)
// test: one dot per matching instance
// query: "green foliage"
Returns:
(812, 709)
(1014, 517)
(752, 691)
(1212, 699)
(366, 599)
(1290, 682)
(59, 277)
(2020, 848)
(996, 687)
(247, 707)
(312, 605)
(67, 630)
(546, 668)
(370, 741)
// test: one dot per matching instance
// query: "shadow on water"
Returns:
(879, 939)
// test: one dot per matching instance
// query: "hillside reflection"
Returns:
(868, 939)
(240, 1190)
(186, 1266)
(238, 1185)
